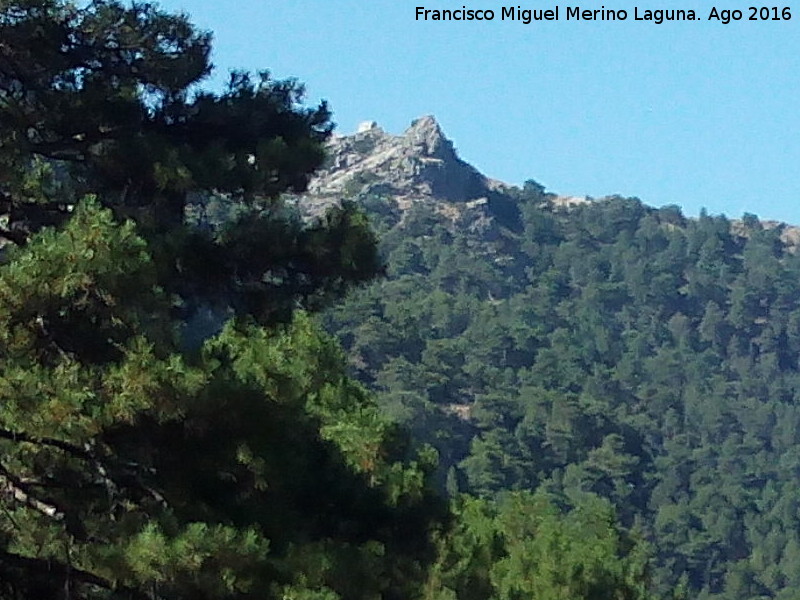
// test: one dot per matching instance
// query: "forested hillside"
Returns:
(174, 424)
(586, 348)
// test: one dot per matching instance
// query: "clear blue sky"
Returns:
(697, 114)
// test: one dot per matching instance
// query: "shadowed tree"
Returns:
(105, 99)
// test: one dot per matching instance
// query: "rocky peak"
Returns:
(420, 164)
(426, 137)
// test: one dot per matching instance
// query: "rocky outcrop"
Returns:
(420, 164)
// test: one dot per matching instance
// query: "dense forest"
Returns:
(174, 422)
(604, 349)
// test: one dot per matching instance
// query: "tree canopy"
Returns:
(611, 349)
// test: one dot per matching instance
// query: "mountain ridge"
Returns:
(422, 165)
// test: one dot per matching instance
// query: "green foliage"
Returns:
(172, 424)
(606, 349)
(525, 547)
(135, 469)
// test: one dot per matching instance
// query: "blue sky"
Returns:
(698, 114)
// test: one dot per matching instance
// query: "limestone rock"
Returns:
(421, 164)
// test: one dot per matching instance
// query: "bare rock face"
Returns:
(399, 172)
(426, 137)
(420, 164)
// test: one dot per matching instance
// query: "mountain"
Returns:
(422, 165)
(419, 166)
(584, 348)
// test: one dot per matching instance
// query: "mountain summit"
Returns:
(420, 164)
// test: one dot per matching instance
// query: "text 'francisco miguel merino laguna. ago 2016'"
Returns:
(577, 13)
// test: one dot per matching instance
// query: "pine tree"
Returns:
(142, 454)
(105, 99)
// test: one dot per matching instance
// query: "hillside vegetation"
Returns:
(174, 424)
(600, 348)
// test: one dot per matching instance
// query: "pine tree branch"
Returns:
(113, 477)
(20, 238)
(20, 492)
(21, 436)
(43, 567)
